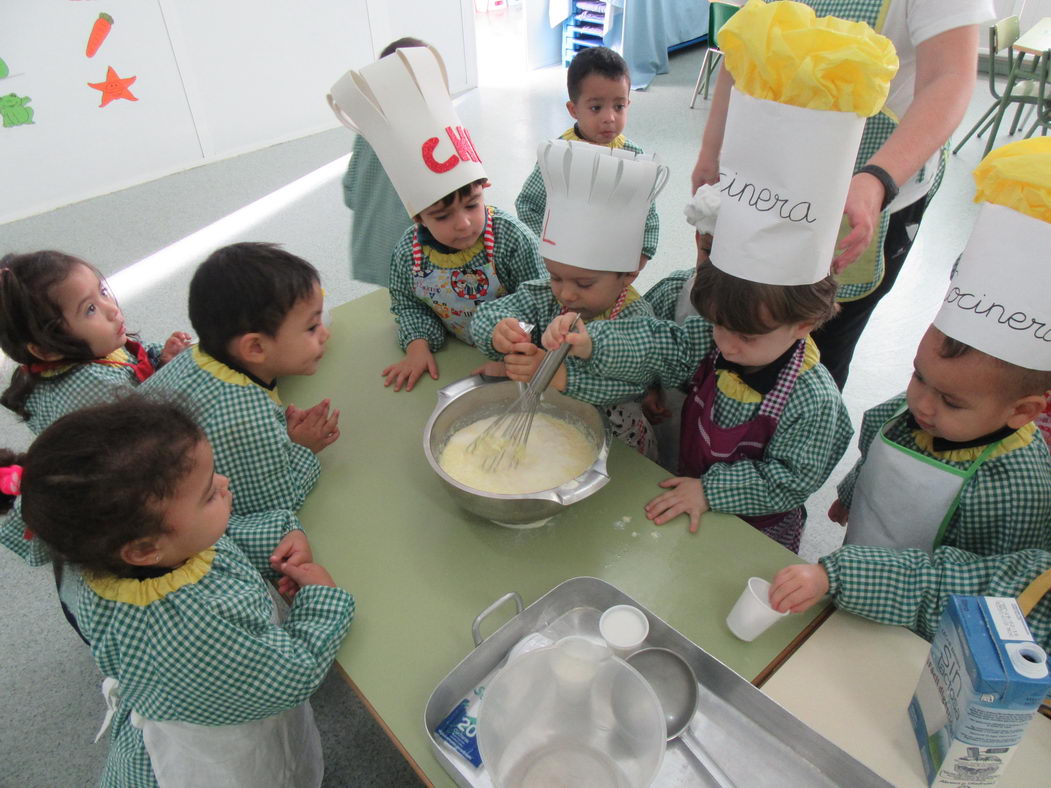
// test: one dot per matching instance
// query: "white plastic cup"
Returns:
(752, 615)
(624, 628)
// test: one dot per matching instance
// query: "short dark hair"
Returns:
(1018, 381)
(594, 60)
(464, 192)
(30, 315)
(756, 308)
(246, 288)
(97, 479)
(401, 43)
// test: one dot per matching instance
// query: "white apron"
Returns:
(883, 515)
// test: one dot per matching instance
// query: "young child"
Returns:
(379, 217)
(670, 299)
(204, 687)
(763, 424)
(61, 324)
(959, 449)
(257, 312)
(599, 85)
(460, 252)
(909, 588)
(957, 459)
(592, 237)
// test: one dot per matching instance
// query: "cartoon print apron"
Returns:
(454, 293)
(887, 519)
(704, 443)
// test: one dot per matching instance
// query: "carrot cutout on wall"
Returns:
(99, 31)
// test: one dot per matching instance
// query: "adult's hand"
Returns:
(862, 211)
(706, 170)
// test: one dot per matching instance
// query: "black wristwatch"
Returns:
(890, 188)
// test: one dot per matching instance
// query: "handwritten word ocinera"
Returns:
(1017, 321)
(461, 140)
(764, 200)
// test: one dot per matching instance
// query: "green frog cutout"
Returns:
(14, 111)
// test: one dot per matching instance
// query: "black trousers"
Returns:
(838, 337)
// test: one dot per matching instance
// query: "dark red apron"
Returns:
(704, 443)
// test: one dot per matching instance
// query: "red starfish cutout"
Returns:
(114, 87)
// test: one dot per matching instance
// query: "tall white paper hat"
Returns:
(597, 202)
(401, 105)
(999, 298)
(783, 180)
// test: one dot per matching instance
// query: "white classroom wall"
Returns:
(213, 78)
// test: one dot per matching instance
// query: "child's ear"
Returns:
(803, 329)
(42, 354)
(572, 109)
(248, 348)
(629, 278)
(1026, 410)
(141, 552)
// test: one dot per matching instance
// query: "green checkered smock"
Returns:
(208, 653)
(1005, 507)
(83, 385)
(909, 588)
(531, 203)
(812, 434)
(380, 219)
(247, 430)
(515, 255)
(664, 295)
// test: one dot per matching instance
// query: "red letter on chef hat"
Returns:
(427, 149)
(461, 140)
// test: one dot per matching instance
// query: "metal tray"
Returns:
(753, 740)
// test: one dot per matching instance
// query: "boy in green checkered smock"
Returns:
(909, 588)
(257, 312)
(459, 252)
(758, 399)
(957, 459)
(599, 85)
(597, 203)
(204, 686)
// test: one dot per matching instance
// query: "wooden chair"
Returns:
(718, 15)
(1025, 83)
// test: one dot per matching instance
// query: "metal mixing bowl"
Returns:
(468, 400)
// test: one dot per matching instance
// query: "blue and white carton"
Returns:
(983, 681)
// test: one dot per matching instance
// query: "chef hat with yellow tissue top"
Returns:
(597, 202)
(998, 300)
(803, 87)
(401, 105)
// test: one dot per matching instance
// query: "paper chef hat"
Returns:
(998, 299)
(802, 88)
(401, 105)
(597, 202)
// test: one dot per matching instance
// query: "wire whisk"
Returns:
(504, 441)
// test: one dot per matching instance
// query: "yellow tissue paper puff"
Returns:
(1018, 176)
(782, 52)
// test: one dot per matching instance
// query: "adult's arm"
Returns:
(706, 170)
(945, 69)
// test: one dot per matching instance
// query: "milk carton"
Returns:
(982, 682)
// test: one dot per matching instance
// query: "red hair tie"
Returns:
(11, 479)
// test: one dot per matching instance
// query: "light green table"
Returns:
(421, 568)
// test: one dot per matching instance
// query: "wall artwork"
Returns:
(14, 111)
(115, 87)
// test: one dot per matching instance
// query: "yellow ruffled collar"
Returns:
(457, 259)
(218, 369)
(731, 385)
(1021, 437)
(143, 592)
(118, 356)
(571, 134)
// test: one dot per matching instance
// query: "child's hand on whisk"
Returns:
(508, 333)
(562, 330)
(522, 363)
